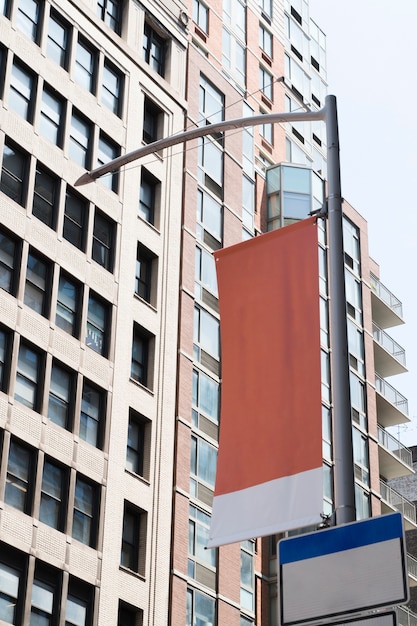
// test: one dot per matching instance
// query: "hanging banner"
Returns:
(269, 471)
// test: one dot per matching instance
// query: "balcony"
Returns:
(392, 407)
(387, 310)
(412, 570)
(392, 501)
(395, 459)
(389, 355)
(405, 617)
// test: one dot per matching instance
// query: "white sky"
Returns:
(371, 52)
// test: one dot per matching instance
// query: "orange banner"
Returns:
(270, 341)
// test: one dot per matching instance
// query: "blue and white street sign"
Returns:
(348, 569)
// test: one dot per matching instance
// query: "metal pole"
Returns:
(344, 481)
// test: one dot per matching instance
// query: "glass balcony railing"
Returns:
(406, 617)
(386, 296)
(391, 394)
(398, 502)
(394, 446)
(388, 343)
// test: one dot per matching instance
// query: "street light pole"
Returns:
(344, 481)
(339, 357)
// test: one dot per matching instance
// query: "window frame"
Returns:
(65, 400)
(23, 377)
(37, 292)
(98, 329)
(19, 190)
(50, 216)
(21, 103)
(89, 513)
(102, 249)
(16, 480)
(92, 414)
(14, 268)
(154, 41)
(75, 312)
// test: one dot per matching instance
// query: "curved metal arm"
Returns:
(209, 129)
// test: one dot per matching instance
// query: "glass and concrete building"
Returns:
(110, 370)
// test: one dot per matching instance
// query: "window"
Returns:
(53, 495)
(133, 539)
(266, 8)
(206, 334)
(138, 443)
(152, 121)
(37, 286)
(93, 411)
(210, 165)
(110, 11)
(5, 10)
(19, 478)
(45, 197)
(209, 219)
(80, 601)
(84, 525)
(266, 132)
(107, 151)
(198, 535)
(360, 456)
(205, 276)
(28, 18)
(13, 173)
(203, 463)
(9, 592)
(79, 141)
(201, 609)
(75, 219)
(51, 116)
(61, 396)
(205, 397)
(149, 189)
(265, 41)
(211, 105)
(154, 49)
(5, 354)
(112, 88)
(58, 41)
(234, 57)
(97, 325)
(43, 609)
(145, 264)
(103, 240)
(68, 305)
(22, 92)
(265, 83)
(201, 15)
(129, 615)
(27, 387)
(9, 262)
(85, 65)
(247, 578)
(352, 246)
(140, 356)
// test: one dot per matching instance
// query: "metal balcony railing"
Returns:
(386, 296)
(394, 446)
(389, 344)
(412, 566)
(391, 394)
(405, 616)
(398, 502)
